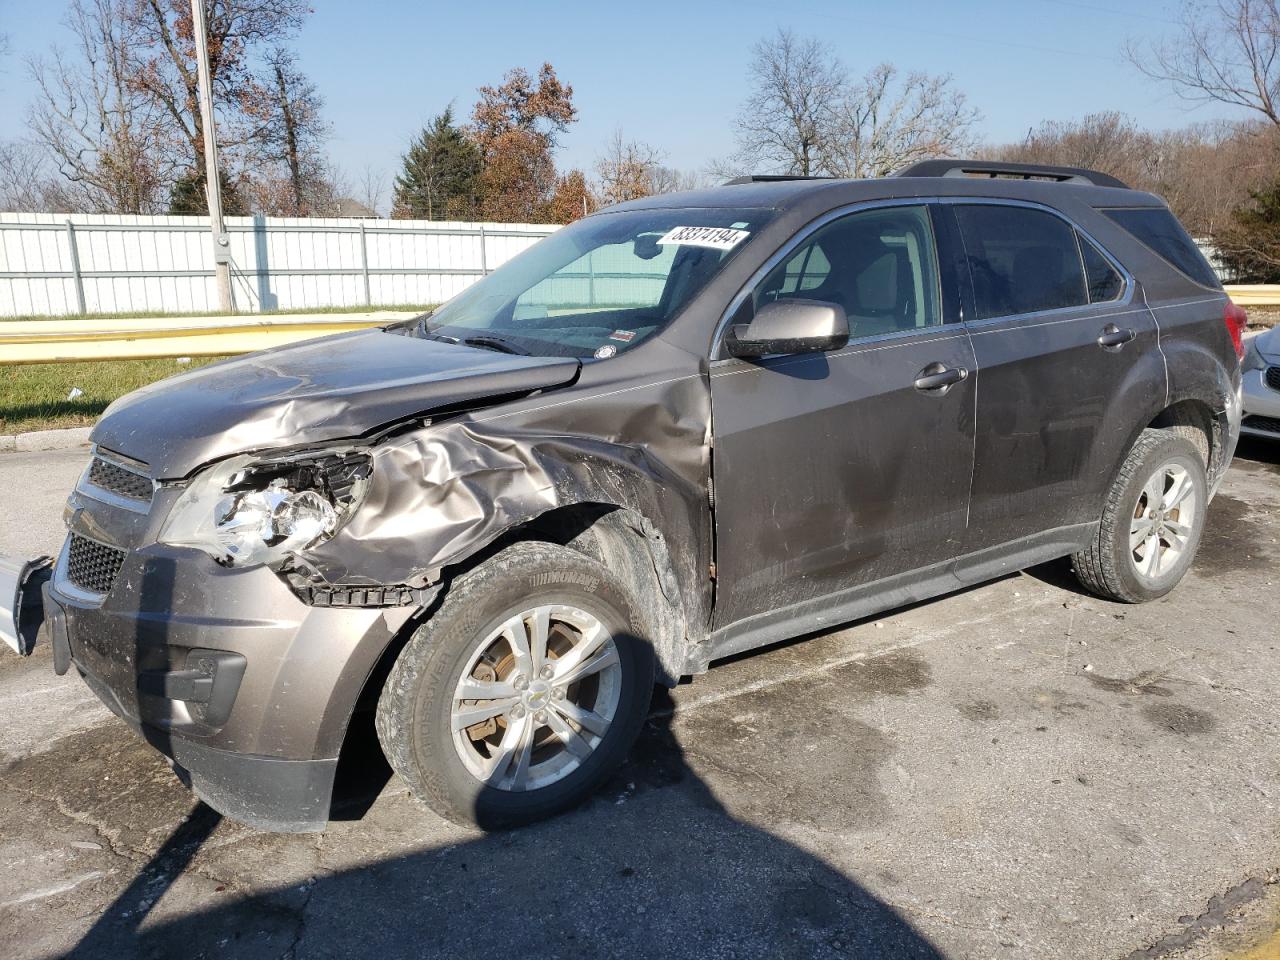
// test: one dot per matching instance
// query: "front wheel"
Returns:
(1151, 522)
(522, 693)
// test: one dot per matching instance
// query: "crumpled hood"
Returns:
(325, 389)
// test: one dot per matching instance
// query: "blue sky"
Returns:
(673, 74)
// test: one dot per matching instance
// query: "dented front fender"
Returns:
(441, 492)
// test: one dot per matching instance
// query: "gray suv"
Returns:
(679, 429)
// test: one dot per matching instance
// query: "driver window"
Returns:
(878, 264)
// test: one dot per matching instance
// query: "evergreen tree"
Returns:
(186, 196)
(438, 181)
(1248, 244)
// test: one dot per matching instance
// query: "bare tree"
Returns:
(631, 169)
(27, 184)
(372, 189)
(804, 116)
(1227, 52)
(105, 138)
(162, 57)
(120, 114)
(889, 120)
(1208, 170)
(796, 83)
(671, 180)
(1203, 171)
(1110, 142)
(625, 170)
(291, 132)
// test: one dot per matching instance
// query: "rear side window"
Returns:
(1160, 230)
(1021, 260)
(1105, 282)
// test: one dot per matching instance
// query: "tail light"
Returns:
(1237, 321)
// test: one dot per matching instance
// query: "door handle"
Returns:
(1113, 338)
(937, 377)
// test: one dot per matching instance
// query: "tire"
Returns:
(476, 775)
(1161, 468)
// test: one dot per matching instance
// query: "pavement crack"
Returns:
(143, 859)
(110, 838)
(1217, 914)
(291, 952)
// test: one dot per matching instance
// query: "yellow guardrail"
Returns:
(1255, 294)
(57, 341)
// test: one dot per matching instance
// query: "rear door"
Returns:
(835, 470)
(1056, 333)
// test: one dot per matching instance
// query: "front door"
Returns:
(836, 470)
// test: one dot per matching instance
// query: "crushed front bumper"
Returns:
(244, 687)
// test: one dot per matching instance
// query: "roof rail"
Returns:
(998, 169)
(770, 178)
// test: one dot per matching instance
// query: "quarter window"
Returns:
(1021, 260)
(1105, 282)
(879, 265)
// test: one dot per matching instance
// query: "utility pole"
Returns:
(212, 181)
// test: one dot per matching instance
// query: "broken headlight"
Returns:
(248, 511)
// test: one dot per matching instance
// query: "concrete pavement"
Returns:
(1018, 770)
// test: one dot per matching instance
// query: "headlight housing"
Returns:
(248, 511)
(1253, 359)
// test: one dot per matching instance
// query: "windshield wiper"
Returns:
(494, 343)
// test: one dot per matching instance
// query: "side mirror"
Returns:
(790, 326)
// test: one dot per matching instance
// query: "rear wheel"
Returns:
(1151, 522)
(522, 693)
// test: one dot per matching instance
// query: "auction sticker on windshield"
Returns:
(718, 238)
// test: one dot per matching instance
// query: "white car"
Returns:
(1262, 386)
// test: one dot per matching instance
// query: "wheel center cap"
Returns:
(538, 695)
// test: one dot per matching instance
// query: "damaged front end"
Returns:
(235, 616)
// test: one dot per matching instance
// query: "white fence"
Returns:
(54, 264)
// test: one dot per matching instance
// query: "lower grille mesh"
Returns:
(1269, 424)
(92, 566)
(1273, 378)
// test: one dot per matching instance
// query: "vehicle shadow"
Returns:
(1259, 450)
(654, 866)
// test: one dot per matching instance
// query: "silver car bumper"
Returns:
(21, 600)
(1261, 404)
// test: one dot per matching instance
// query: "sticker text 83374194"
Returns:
(718, 238)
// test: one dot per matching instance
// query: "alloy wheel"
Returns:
(536, 697)
(1163, 520)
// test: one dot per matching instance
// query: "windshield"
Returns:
(598, 287)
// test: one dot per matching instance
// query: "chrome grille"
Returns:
(92, 566)
(1273, 378)
(123, 482)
